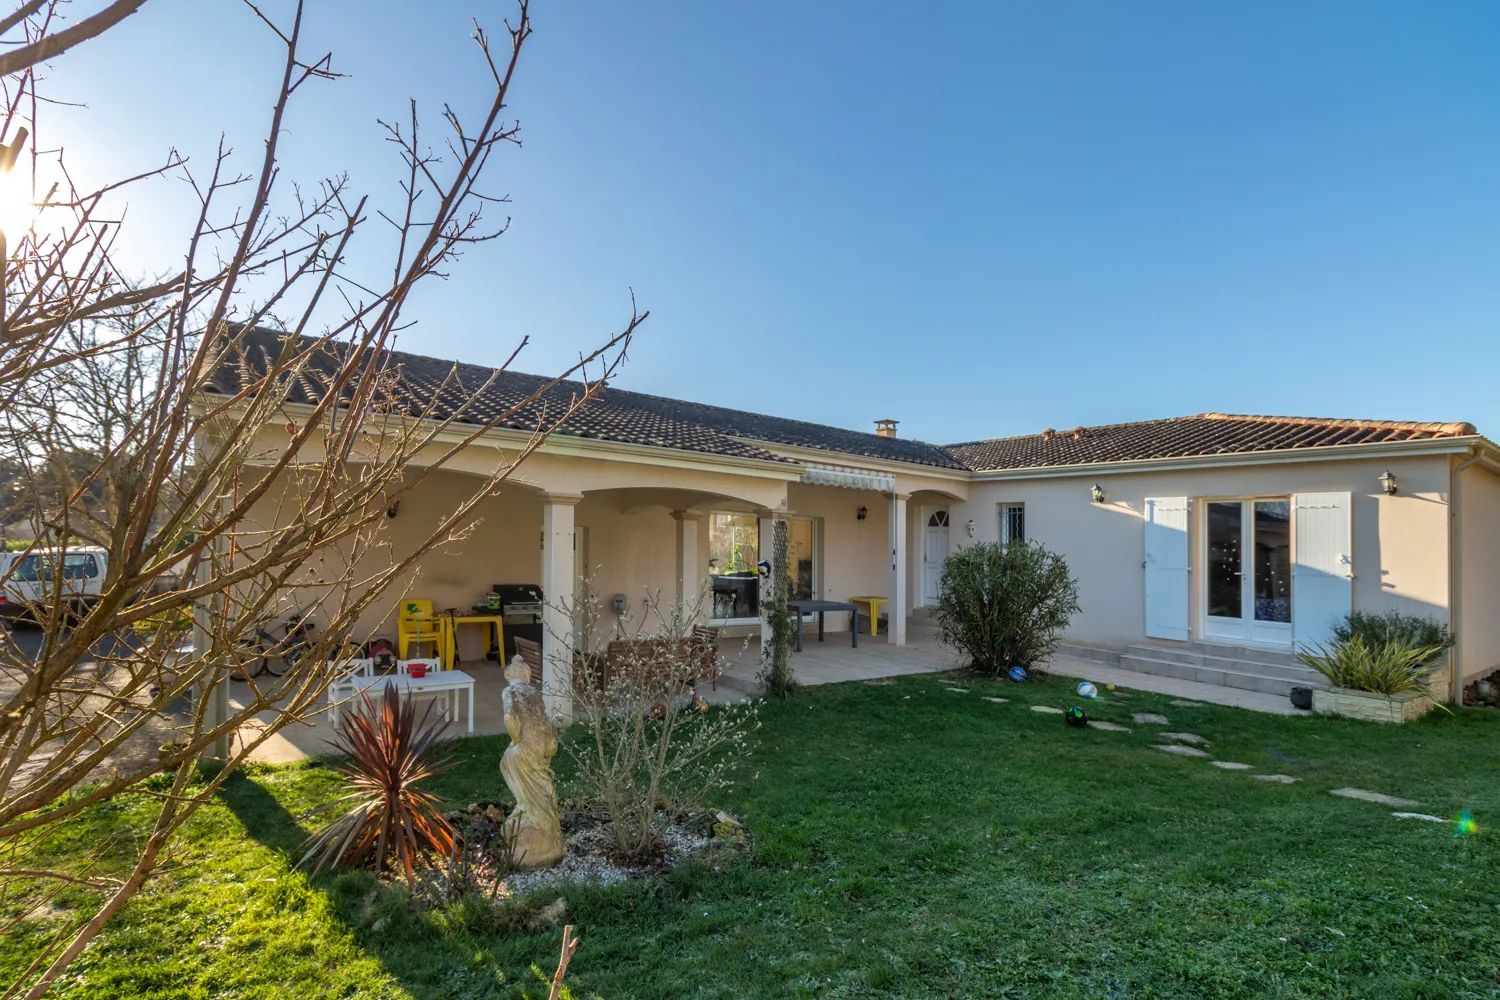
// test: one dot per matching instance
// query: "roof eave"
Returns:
(1281, 456)
(592, 447)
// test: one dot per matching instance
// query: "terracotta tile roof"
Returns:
(1180, 437)
(618, 415)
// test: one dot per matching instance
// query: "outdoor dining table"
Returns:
(820, 608)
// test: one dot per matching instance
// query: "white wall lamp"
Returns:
(970, 527)
(1388, 483)
(1097, 493)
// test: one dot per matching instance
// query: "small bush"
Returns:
(649, 747)
(1004, 605)
(1393, 626)
(1391, 666)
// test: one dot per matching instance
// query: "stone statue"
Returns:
(532, 828)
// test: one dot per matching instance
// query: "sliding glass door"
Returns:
(1247, 583)
(736, 547)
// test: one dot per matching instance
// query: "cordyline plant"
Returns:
(388, 752)
(1005, 604)
(119, 429)
(650, 747)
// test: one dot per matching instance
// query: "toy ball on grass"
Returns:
(1076, 717)
(1018, 674)
(1109, 687)
(1087, 690)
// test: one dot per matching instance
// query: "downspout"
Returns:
(1455, 576)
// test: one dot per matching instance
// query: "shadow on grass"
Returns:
(426, 949)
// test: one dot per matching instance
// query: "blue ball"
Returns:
(1087, 690)
(1018, 674)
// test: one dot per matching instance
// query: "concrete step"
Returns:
(1252, 654)
(921, 625)
(1193, 657)
(1094, 653)
(1247, 676)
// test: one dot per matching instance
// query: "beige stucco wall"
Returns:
(855, 554)
(1400, 542)
(1479, 571)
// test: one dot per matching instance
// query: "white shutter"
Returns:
(1167, 567)
(1322, 564)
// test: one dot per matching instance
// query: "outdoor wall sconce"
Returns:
(1388, 483)
(393, 509)
(862, 513)
(1097, 493)
(970, 527)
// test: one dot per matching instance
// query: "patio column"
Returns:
(896, 634)
(768, 519)
(558, 578)
(689, 570)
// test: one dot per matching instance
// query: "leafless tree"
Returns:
(119, 435)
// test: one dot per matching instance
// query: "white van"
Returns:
(29, 578)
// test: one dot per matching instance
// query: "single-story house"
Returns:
(1211, 542)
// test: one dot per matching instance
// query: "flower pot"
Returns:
(417, 670)
(1371, 707)
(1302, 697)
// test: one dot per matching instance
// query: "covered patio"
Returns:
(830, 662)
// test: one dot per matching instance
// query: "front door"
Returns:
(1248, 587)
(934, 553)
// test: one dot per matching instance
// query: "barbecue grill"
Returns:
(521, 610)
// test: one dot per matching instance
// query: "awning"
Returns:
(849, 479)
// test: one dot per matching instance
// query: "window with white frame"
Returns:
(1012, 523)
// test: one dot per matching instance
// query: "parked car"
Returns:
(31, 581)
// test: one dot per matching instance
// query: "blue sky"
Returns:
(980, 219)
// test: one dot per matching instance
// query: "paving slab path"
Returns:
(1280, 779)
(1150, 719)
(1047, 709)
(1108, 727)
(1365, 795)
(1193, 738)
(1231, 765)
(1430, 819)
(1181, 750)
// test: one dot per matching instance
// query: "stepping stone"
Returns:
(1367, 796)
(1230, 765)
(1108, 727)
(997, 701)
(1047, 708)
(1193, 738)
(1280, 779)
(1430, 819)
(957, 690)
(1151, 719)
(1181, 750)
(1186, 704)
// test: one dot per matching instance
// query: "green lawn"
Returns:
(908, 841)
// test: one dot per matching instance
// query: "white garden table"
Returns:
(443, 682)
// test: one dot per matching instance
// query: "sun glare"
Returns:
(17, 213)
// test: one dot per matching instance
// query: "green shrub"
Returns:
(1004, 605)
(1391, 666)
(1409, 630)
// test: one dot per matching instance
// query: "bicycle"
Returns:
(260, 647)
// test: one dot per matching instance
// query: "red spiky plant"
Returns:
(388, 753)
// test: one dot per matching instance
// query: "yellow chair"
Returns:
(416, 624)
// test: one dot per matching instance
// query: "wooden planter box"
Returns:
(1371, 707)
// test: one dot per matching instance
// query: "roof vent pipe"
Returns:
(886, 428)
